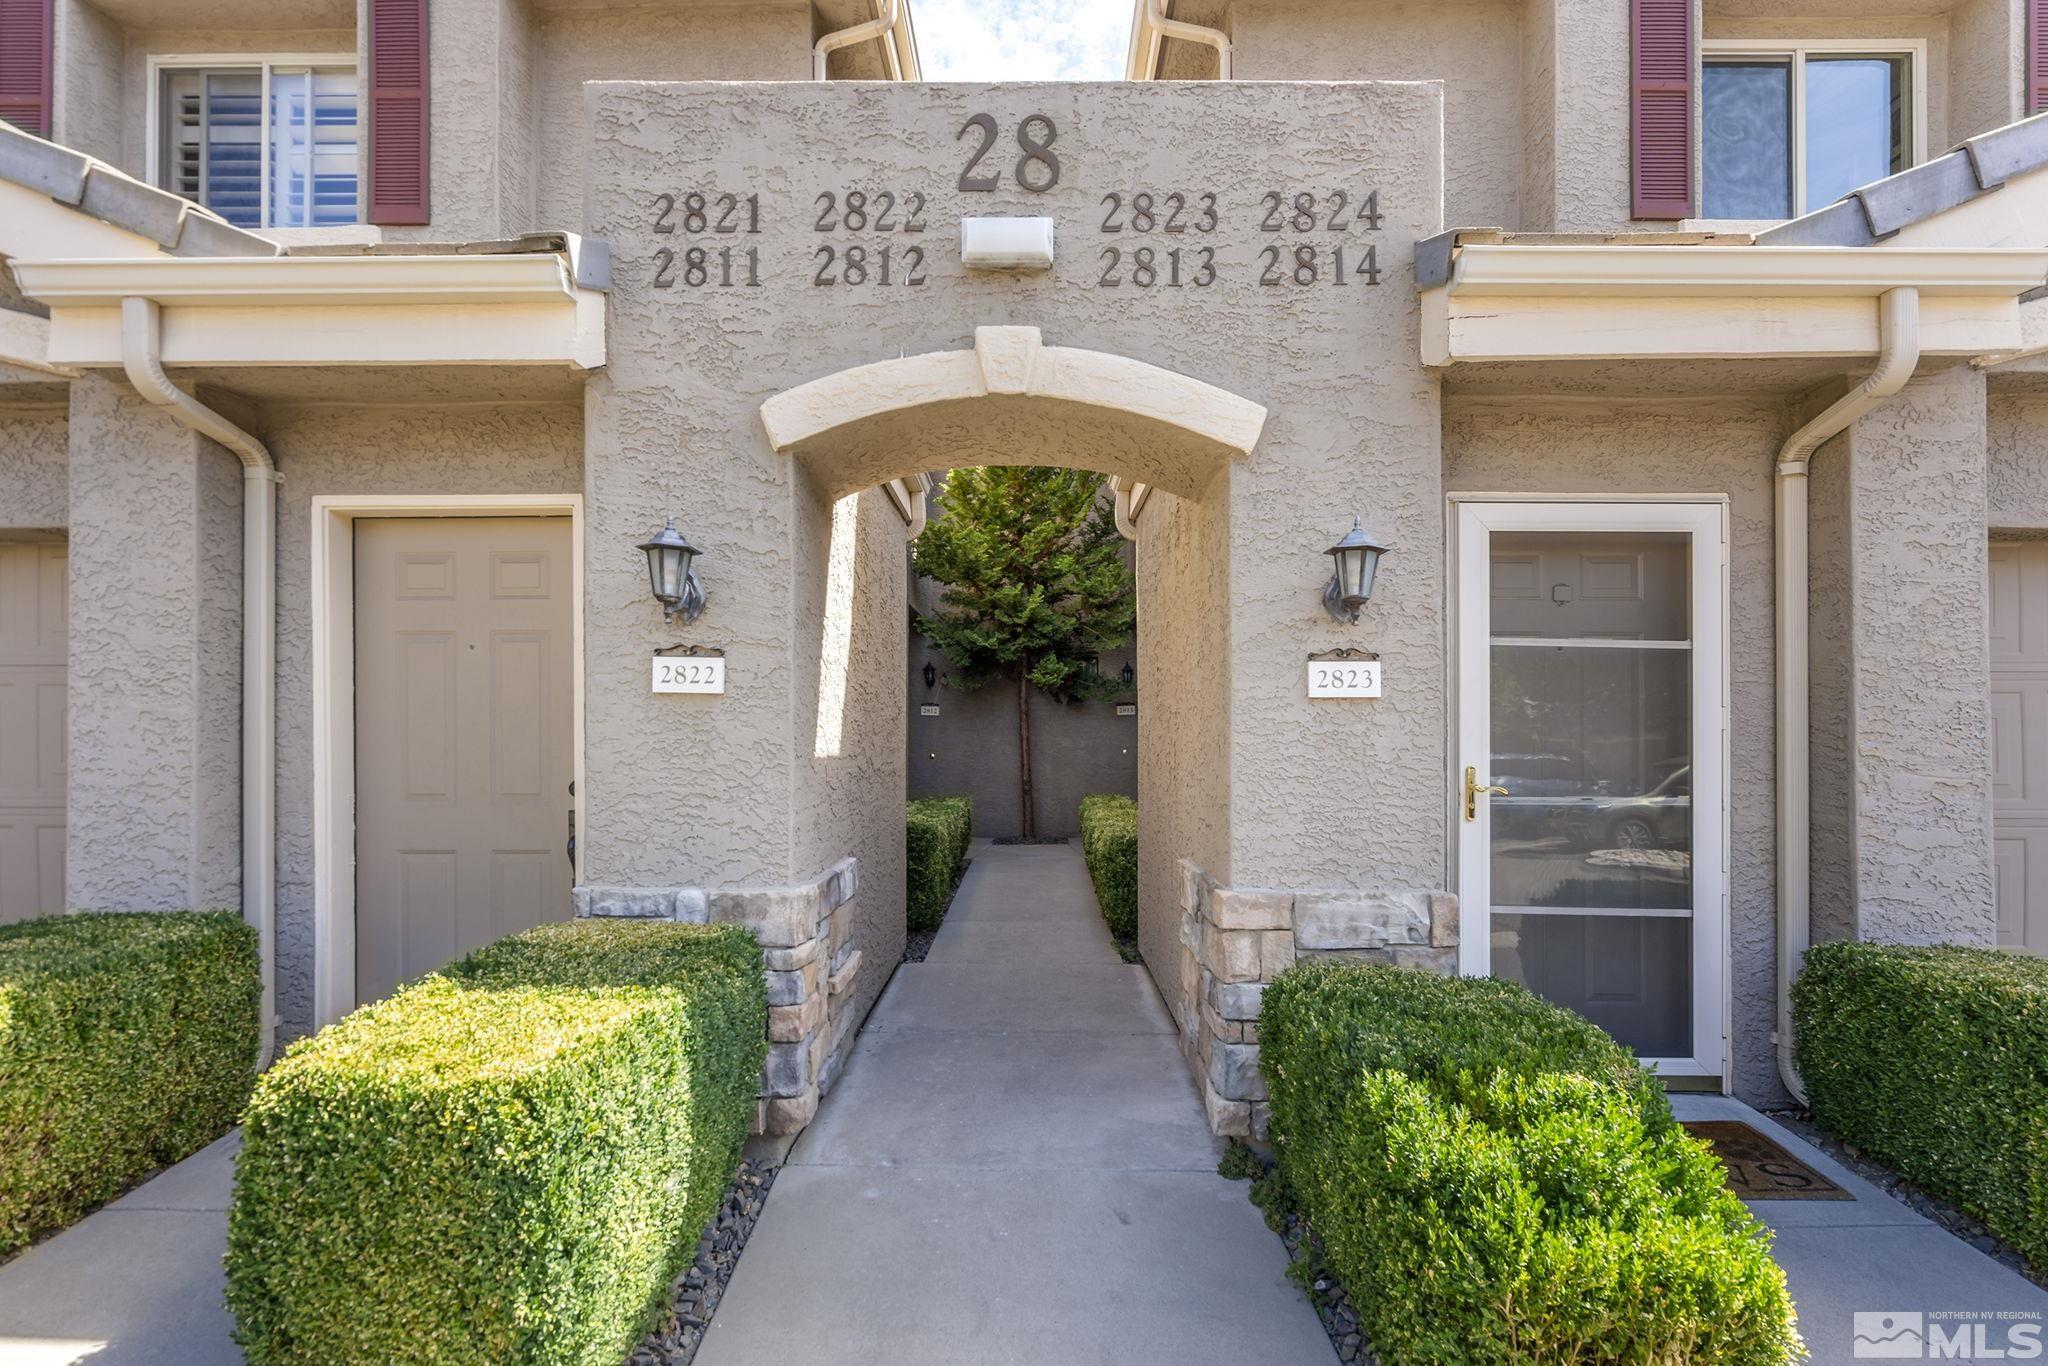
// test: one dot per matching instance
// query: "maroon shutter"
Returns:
(25, 64)
(398, 111)
(1661, 108)
(2037, 56)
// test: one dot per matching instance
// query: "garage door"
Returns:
(2019, 740)
(32, 642)
(464, 746)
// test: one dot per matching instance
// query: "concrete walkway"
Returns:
(1014, 1168)
(1874, 1256)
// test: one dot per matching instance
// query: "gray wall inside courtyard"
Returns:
(1077, 748)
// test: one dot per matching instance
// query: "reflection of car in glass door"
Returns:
(1659, 819)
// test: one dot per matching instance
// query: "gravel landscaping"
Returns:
(1956, 1221)
(694, 1298)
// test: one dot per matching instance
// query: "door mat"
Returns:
(1758, 1167)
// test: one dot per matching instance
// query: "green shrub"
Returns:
(509, 1161)
(1109, 844)
(127, 1041)
(1935, 1062)
(1495, 1180)
(937, 831)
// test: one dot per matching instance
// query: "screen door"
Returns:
(1588, 777)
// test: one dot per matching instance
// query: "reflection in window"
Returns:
(1785, 133)
(263, 147)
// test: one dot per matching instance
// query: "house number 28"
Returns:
(1037, 170)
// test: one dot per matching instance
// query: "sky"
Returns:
(1022, 40)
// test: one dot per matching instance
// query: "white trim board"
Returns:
(1472, 518)
(334, 777)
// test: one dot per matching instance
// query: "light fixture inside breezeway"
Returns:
(1357, 559)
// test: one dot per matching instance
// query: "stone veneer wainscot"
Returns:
(806, 933)
(1234, 940)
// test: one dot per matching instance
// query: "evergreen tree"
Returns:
(1036, 587)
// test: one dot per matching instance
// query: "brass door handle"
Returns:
(1474, 790)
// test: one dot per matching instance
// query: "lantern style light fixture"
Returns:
(931, 674)
(1129, 674)
(669, 555)
(1357, 558)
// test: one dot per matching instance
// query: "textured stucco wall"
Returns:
(851, 618)
(1590, 133)
(34, 458)
(1184, 755)
(154, 806)
(2017, 433)
(769, 42)
(454, 447)
(1473, 46)
(481, 171)
(1985, 67)
(86, 73)
(971, 746)
(1921, 664)
(1720, 446)
(674, 423)
(1830, 689)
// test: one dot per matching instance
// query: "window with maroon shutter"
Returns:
(1661, 108)
(2037, 56)
(398, 111)
(25, 64)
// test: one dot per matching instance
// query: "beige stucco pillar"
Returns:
(1987, 51)
(1901, 761)
(1575, 79)
(89, 54)
(155, 703)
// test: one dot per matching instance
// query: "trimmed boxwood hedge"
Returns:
(1109, 844)
(937, 831)
(509, 1161)
(1495, 1180)
(1934, 1061)
(127, 1041)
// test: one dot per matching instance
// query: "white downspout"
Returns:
(1159, 24)
(884, 23)
(142, 358)
(1898, 352)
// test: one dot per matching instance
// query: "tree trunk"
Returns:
(1024, 751)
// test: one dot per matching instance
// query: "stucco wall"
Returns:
(332, 449)
(1473, 46)
(675, 423)
(1718, 446)
(1184, 755)
(1920, 653)
(2017, 478)
(154, 811)
(86, 72)
(1077, 748)
(34, 459)
(769, 42)
(850, 624)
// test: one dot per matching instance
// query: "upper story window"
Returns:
(263, 143)
(1790, 127)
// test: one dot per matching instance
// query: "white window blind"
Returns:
(267, 146)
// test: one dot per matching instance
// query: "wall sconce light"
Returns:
(1128, 674)
(668, 569)
(931, 674)
(1357, 558)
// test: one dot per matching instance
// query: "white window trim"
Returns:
(153, 106)
(334, 713)
(1796, 50)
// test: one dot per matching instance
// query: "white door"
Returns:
(32, 696)
(1589, 770)
(2019, 741)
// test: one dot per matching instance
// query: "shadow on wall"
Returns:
(970, 746)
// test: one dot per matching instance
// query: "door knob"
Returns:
(1474, 790)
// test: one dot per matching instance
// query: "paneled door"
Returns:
(33, 632)
(1589, 773)
(464, 748)
(2019, 741)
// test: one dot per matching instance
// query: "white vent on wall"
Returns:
(1006, 243)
